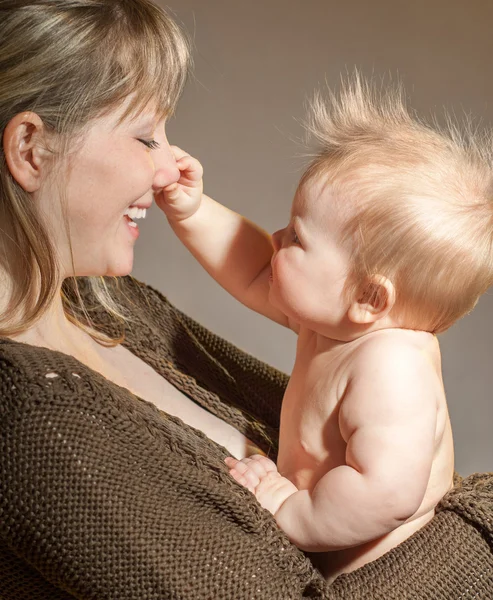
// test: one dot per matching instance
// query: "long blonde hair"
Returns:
(70, 61)
(418, 199)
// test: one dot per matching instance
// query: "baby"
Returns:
(389, 242)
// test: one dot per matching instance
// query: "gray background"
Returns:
(255, 64)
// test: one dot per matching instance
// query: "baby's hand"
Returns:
(259, 474)
(182, 199)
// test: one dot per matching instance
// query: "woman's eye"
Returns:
(152, 144)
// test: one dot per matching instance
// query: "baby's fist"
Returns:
(182, 199)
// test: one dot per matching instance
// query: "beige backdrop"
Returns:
(255, 62)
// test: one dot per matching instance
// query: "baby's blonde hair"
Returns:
(419, 200)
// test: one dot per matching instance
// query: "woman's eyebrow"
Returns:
(148, 124)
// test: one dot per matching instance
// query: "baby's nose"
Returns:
(277, 239)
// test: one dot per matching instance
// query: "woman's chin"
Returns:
(116, 268)
(121, 269)
(121, 260)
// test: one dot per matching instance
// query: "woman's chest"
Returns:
(127, 370)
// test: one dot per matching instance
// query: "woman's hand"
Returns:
(182, 199)
(260, 475)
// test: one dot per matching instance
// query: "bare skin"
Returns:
(318, 415)
(112, 169)
(365, 439)
(127, 370)
(365, 451)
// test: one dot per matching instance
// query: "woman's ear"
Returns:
(25, 150)
(374, 301)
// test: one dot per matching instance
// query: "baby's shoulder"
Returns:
(397, 351)
(396, 364)
(397, 343)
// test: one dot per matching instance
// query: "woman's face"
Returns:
(112, 170)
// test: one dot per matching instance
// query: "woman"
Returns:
(102, 495)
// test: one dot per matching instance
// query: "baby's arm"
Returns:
(388, 420)
(232, 249)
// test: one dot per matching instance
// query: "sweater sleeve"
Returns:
(103, 498)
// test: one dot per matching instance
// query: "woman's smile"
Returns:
(132, 227)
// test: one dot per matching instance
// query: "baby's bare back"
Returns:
(338, 394)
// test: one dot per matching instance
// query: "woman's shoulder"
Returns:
(40, 384)
(33, 376)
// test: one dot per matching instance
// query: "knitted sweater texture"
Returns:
(102, 496)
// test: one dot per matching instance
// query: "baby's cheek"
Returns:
(290, 276)
(286, 288)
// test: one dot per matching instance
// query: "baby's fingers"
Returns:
(239, 474)
(242, 480)
(250, 471)
(245, 468)
(263, 462)
(178, 152)
(190, 168)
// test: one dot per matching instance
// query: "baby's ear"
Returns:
(373, 302)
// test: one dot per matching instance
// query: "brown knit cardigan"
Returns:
(102, 496)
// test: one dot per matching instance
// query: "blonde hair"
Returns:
(71, 61)
(418, 199)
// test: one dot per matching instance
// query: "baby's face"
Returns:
(310, 264)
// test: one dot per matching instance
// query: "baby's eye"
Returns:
(152, 144)
(296, 239)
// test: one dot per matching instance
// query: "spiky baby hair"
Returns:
(418, 199)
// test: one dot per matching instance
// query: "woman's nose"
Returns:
(277, 239)
(166, 171)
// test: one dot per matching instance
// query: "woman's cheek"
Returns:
(140, 175)
(146, 167)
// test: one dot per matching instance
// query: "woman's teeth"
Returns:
(136, 213)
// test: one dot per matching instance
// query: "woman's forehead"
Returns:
(144, 111)
(125, 115)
